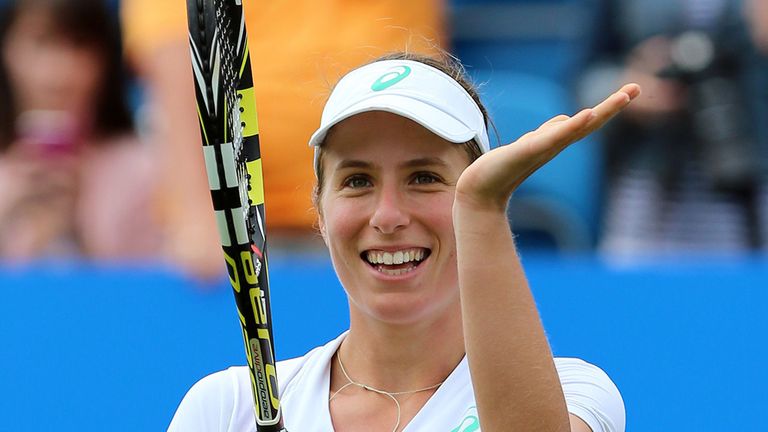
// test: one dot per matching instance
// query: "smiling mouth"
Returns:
(395, 263)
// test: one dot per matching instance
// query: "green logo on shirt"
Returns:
(470, 423)
(391, 78)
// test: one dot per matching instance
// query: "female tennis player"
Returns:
(444, 332)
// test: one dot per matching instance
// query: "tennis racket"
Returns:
(227, 112)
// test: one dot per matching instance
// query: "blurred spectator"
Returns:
(684, 165)
(756, 15)
(73, 178)
(298, 47)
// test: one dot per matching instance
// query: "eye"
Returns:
(421, 178)
(357, 182)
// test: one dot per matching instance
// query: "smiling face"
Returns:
(386, 217)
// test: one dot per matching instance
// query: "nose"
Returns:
(59, 75)
(390, 214)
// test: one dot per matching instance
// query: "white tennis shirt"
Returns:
(223, 402)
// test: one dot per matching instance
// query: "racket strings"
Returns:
(229, 60)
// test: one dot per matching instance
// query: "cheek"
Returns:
(439, 212)
(439, 220)
(19, 63)
(343, 225)
(341, 221)
(87, 77)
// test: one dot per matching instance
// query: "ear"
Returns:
(321, 227)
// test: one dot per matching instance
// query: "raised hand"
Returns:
(489, 181)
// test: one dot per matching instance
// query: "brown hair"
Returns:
(446, 64)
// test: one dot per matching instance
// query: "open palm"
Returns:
(490, 180)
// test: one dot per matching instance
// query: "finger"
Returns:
(615, 103)
(632, 90)
(563, 129)
(560, 131)
(608, 108)
(556, 119)
(553, 136)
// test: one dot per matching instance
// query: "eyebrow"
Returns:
(422, 162)
(353, 163)
(413, 163)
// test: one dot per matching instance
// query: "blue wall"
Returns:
(86, 348)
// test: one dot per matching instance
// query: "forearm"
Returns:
(513, 373)
(515, 381)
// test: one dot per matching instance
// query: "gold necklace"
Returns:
(391, 395)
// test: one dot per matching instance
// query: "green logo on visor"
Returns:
(391, 78)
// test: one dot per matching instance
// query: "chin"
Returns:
(402, 309)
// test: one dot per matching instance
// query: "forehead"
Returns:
(384, 137)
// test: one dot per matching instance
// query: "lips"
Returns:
(395, 262)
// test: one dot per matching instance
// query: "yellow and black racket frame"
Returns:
(229, 127)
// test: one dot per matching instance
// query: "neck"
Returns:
(397, 358)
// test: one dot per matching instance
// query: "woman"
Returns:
(412, 207)
(74, 177)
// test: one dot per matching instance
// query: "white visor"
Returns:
(410, 89)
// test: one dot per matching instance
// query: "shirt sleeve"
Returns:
(591, 395)
(207, 406)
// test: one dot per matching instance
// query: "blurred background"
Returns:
(645, 244)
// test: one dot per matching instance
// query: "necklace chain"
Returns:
(391, 395)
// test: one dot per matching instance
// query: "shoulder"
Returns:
(209, 404)
(591, 395)
(223, 401)
(304, 372)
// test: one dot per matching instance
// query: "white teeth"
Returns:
(394, 272)
(397, 257)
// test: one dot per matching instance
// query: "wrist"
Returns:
(479, 218)
(480, 203)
